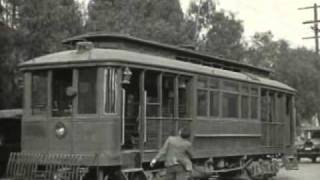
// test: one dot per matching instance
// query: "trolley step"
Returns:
(133, 173)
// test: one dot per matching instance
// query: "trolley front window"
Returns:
(61, 102)
(39, 92)
(87, 91)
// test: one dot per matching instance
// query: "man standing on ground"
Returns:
(178, 155)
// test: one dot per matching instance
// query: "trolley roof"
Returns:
(119, 41)
(98, 56)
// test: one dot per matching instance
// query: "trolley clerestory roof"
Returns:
(96, 56)
(120, 41)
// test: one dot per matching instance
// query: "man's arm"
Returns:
(161, 152)
(189, 151)
(163, 149)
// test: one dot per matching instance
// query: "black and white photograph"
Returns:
(159, 90)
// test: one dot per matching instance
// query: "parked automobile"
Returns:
(310, 146)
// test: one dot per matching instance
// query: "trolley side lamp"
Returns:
(126, 76)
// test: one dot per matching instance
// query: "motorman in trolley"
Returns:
(178, 155)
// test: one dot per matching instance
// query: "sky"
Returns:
(281, 17)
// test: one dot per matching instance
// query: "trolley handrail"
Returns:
(145, 117)
(123, 116)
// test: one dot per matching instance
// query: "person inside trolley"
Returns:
(178, 155)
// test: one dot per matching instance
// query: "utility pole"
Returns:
(315, 26)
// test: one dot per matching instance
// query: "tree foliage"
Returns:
(115, 16)
(219, 33)
(44, 24)
(10, 92)
(9, 12)
(264, 51)
(297, 67)
(300, 68)
(161, 21)
(29, 28)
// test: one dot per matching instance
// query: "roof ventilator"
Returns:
(84, 46)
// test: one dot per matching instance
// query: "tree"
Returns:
(10, 92)
(297, 67)
(300, 68)
(219, 33)
(115, 16)
(8, 12)
(30, 28)
(44, 24)
(164, 22)
(161, 21)
(264, 50)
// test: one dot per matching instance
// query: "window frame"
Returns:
(29, 94)
(257, 96)
(221, 90)
(76, 85)
(73, 100)
(117, 80)
(250, 96)
(207, 87)
(233, 92)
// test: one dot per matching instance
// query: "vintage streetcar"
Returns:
(310, 146)
(102, 110)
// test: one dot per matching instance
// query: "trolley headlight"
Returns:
(60, 130)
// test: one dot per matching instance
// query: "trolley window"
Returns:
(202, 102)
(152, 89)
(230, 86)
(208, 96)
(264, 106)
(61, 102)
(87, 91)
(230, 105)
(230, 101)
(254, 107)
(245, 106)
(39, 92)
(168, 96)
(245, 101)
(202, 82)
(111, 77)
(214, 103)
(184, 91)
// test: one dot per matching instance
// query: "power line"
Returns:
(315, 26)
